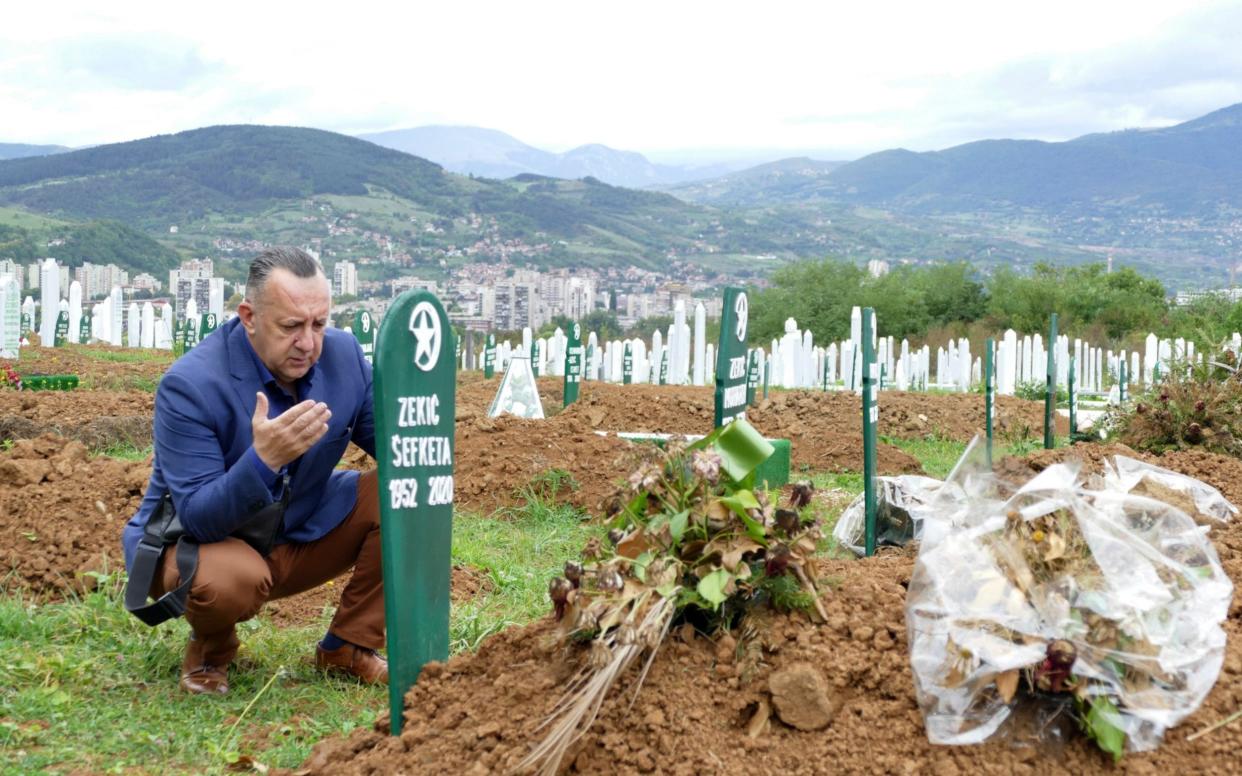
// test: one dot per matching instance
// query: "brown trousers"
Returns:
(233, 581)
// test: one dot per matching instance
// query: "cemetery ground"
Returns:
(86, 688)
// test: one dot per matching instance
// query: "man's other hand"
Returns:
(282, 439)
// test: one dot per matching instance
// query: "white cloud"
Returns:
(637, 75)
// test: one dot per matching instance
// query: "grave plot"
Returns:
(99, 419)
(776, 696)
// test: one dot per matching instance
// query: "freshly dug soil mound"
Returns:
(98, 419)
(478, 713)
(99, 367)
(61, 514)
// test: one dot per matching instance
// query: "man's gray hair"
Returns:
(296, 260)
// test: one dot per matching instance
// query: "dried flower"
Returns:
(645, 477)
(778, 561)
(801, 494)
(705, 464)
(1140, 408)
(1164, 397)
(610, 581)
(1194, 433)
(558, 590)
(1200, 405)
(788, 521)
(573, 571)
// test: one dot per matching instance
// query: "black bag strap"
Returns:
(161, 530)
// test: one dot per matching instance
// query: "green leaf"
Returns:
(677, 524)
(1102, 727)
(640, 565)
(712, 586)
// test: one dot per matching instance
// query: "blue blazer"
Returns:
(202, 433)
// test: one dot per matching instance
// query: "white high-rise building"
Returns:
(345, 278)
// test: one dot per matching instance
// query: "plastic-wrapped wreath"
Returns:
(1067, 603)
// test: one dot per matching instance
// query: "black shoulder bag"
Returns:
(164, 530)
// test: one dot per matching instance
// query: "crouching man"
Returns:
(249, 427)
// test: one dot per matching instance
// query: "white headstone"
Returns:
(75, 311)
(49, 295)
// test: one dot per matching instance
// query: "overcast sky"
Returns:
(669, 76)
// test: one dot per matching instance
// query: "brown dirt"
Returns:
(98, 419)
(478, 713)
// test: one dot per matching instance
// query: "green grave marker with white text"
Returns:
(573, 364)
(208, 325)
(731, 366)
(179, 330)
(84, 328)
(61, 335)
(627, 365)
(871, 420)
(536, 358)
(415, 384)
(489, 357)
(664, 366)
(363, 328)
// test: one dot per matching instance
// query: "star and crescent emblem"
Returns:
(425, 326)
(740, 308)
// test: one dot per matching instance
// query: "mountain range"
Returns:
(1167, 201)
(1190, 169)
(19, 150)
(490, 153)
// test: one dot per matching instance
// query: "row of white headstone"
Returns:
(794, 361)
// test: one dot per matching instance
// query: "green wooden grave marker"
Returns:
(489, 357)
(573, 364)
(731, 366)
(871, 418)
(664, 366)
(27, 323)
(415, 397)
(627, 365)
(1073, 398)
(536, 358)
(1121, 382)
(989, 390)
(84, 328)
(363, 328)
(1050, 390)
(192, 329)
(208, 324)
(61, 335)
(179, 330)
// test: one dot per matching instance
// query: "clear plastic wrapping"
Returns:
(901, 503)
(1053, 597)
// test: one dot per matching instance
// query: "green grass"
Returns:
(85, 686)
(129, 355)
(126, 451)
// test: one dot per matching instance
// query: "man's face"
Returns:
(286, 323)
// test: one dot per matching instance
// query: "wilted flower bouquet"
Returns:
(690, 535)
(1059, 599)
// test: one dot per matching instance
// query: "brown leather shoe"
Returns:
(207, 674)
(367, 665)
(206, 680)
